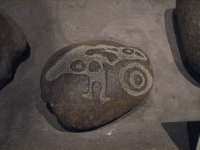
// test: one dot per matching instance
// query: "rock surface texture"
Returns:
(92, 83)
(188, 15)
(12, 46)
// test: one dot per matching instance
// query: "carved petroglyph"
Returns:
(139, 81)
(90, 60)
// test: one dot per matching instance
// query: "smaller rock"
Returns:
(188, 16)
(92, 83)
(12, 47)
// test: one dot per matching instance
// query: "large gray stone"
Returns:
(92, 83)
(12, 46)
(188, 15)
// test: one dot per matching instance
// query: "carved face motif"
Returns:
(90, 60)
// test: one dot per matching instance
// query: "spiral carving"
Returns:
(135, 79)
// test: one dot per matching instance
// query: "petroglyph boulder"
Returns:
(188, 15)
(92, 83)
(12, 47)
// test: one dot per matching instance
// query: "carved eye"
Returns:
(78, 66)
(94, 66)
(135, 79)
(128, 51)
(139, 54)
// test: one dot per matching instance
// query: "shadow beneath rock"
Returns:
(184, 134)
(25, 55)
(176, 45)
(193, 133)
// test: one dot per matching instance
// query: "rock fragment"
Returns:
(13, 46)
